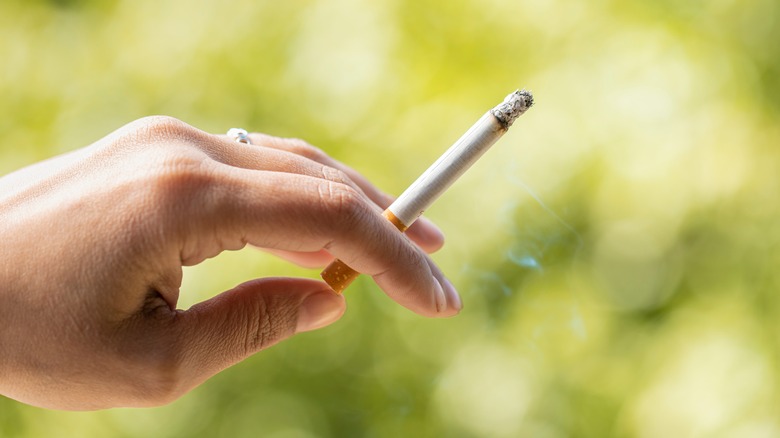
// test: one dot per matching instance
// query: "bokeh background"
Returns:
(617, 251)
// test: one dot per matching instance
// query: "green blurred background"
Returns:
(617, 251)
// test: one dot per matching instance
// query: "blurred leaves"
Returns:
(617, 251)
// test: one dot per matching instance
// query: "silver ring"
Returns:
(239, 135)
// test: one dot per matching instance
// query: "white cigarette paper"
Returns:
(459, 157)
(448, 168)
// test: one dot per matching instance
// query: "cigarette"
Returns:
(439, 177)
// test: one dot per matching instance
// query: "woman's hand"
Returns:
(93, 242)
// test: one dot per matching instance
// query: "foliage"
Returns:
(616, 251)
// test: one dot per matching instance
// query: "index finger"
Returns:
(301, 213)
(423, 232)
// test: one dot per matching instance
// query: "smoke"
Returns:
(538, 245)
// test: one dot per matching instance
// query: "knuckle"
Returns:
(266, 324)
(342, 202)
(336, 175)
(157, 127)
(157, 131)
(345, 212)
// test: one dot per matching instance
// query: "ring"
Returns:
(239, 135)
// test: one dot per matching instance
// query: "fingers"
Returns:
(423, 232)
(291, 212)
(291, 205)
(312, 260)
(250, 156)
(296, 156)
(236, 324)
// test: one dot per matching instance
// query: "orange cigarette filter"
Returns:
(338, 275)
(449, 167)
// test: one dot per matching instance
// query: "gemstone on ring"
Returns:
(239, 135)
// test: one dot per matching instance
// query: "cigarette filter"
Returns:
(433, 182)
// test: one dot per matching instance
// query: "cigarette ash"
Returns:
(513, 106)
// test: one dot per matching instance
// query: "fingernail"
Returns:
(441, 299)
(318, 310)
(453, 298)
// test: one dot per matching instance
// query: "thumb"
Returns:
(232, 326)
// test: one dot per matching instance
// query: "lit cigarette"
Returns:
(449, 167)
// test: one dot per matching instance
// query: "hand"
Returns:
(93, 243)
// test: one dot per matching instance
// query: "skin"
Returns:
(93, 244)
